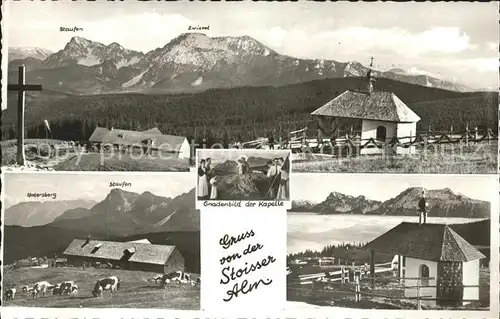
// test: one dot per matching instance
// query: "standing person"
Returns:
(283, 190)
(273, 176)
(213, 192)
(240, 166)
(270, 140)
(246, 167)
(202, 181)
(209, 173)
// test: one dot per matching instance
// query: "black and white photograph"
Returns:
(409, 242)
(348, 87)
(101, 241)
(243, 175)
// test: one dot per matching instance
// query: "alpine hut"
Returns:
(126, 255)
(434, 257)
(383, 117)
(152, 139)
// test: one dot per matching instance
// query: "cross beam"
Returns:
(21, 87)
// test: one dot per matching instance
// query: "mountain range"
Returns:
(19, 53)
(442, 203)
(28, 214)
(188, 63)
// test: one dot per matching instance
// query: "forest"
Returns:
(236, 114)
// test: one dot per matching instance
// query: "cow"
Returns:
(56, 290)
(166, 278)
(198, 281)
(110, 283)
(40, 287)
(10, 294)
(66, 287)
(157, 278)
(25, 289)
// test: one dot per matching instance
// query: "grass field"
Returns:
(474, 159)
(92, 162)
(135, 289)
(38, 152)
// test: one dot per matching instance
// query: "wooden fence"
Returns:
(345, 274)
(299, 140)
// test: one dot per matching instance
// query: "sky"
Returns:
(454, 41)
(317, 187)
(90, 186)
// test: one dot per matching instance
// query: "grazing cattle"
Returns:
(56, 290)
(25, 289)
(157, 278)
(111, 283)
(176, 275)
(10, 294)
(198, 280)
(74, 290)
(66, 287)
(40, 287)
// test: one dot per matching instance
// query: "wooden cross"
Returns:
(21, 87)
(371, 61)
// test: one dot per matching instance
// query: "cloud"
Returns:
(492, 46)
(275, 36)
(400, 41)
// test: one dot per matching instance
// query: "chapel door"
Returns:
(381, 133)
(450, 289)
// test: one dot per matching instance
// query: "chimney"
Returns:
(87, 241)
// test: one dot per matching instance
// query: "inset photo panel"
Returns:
(243, 178)
(101, 241)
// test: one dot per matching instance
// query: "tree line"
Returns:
(237, 114)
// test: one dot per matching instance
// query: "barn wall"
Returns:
(78, 260)
(146, 267)
(412, 270)
(175, 262)
(471, 277)
(369, 130)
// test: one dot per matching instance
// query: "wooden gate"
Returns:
(450, 289)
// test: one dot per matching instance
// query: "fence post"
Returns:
(419, 305)
(476, 133)
(342, 276)
(357, 289)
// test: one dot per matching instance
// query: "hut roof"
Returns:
(379, 105)
(435, 242)
(99, 134)
(127, 137)
(154, 130)
(144, 253)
